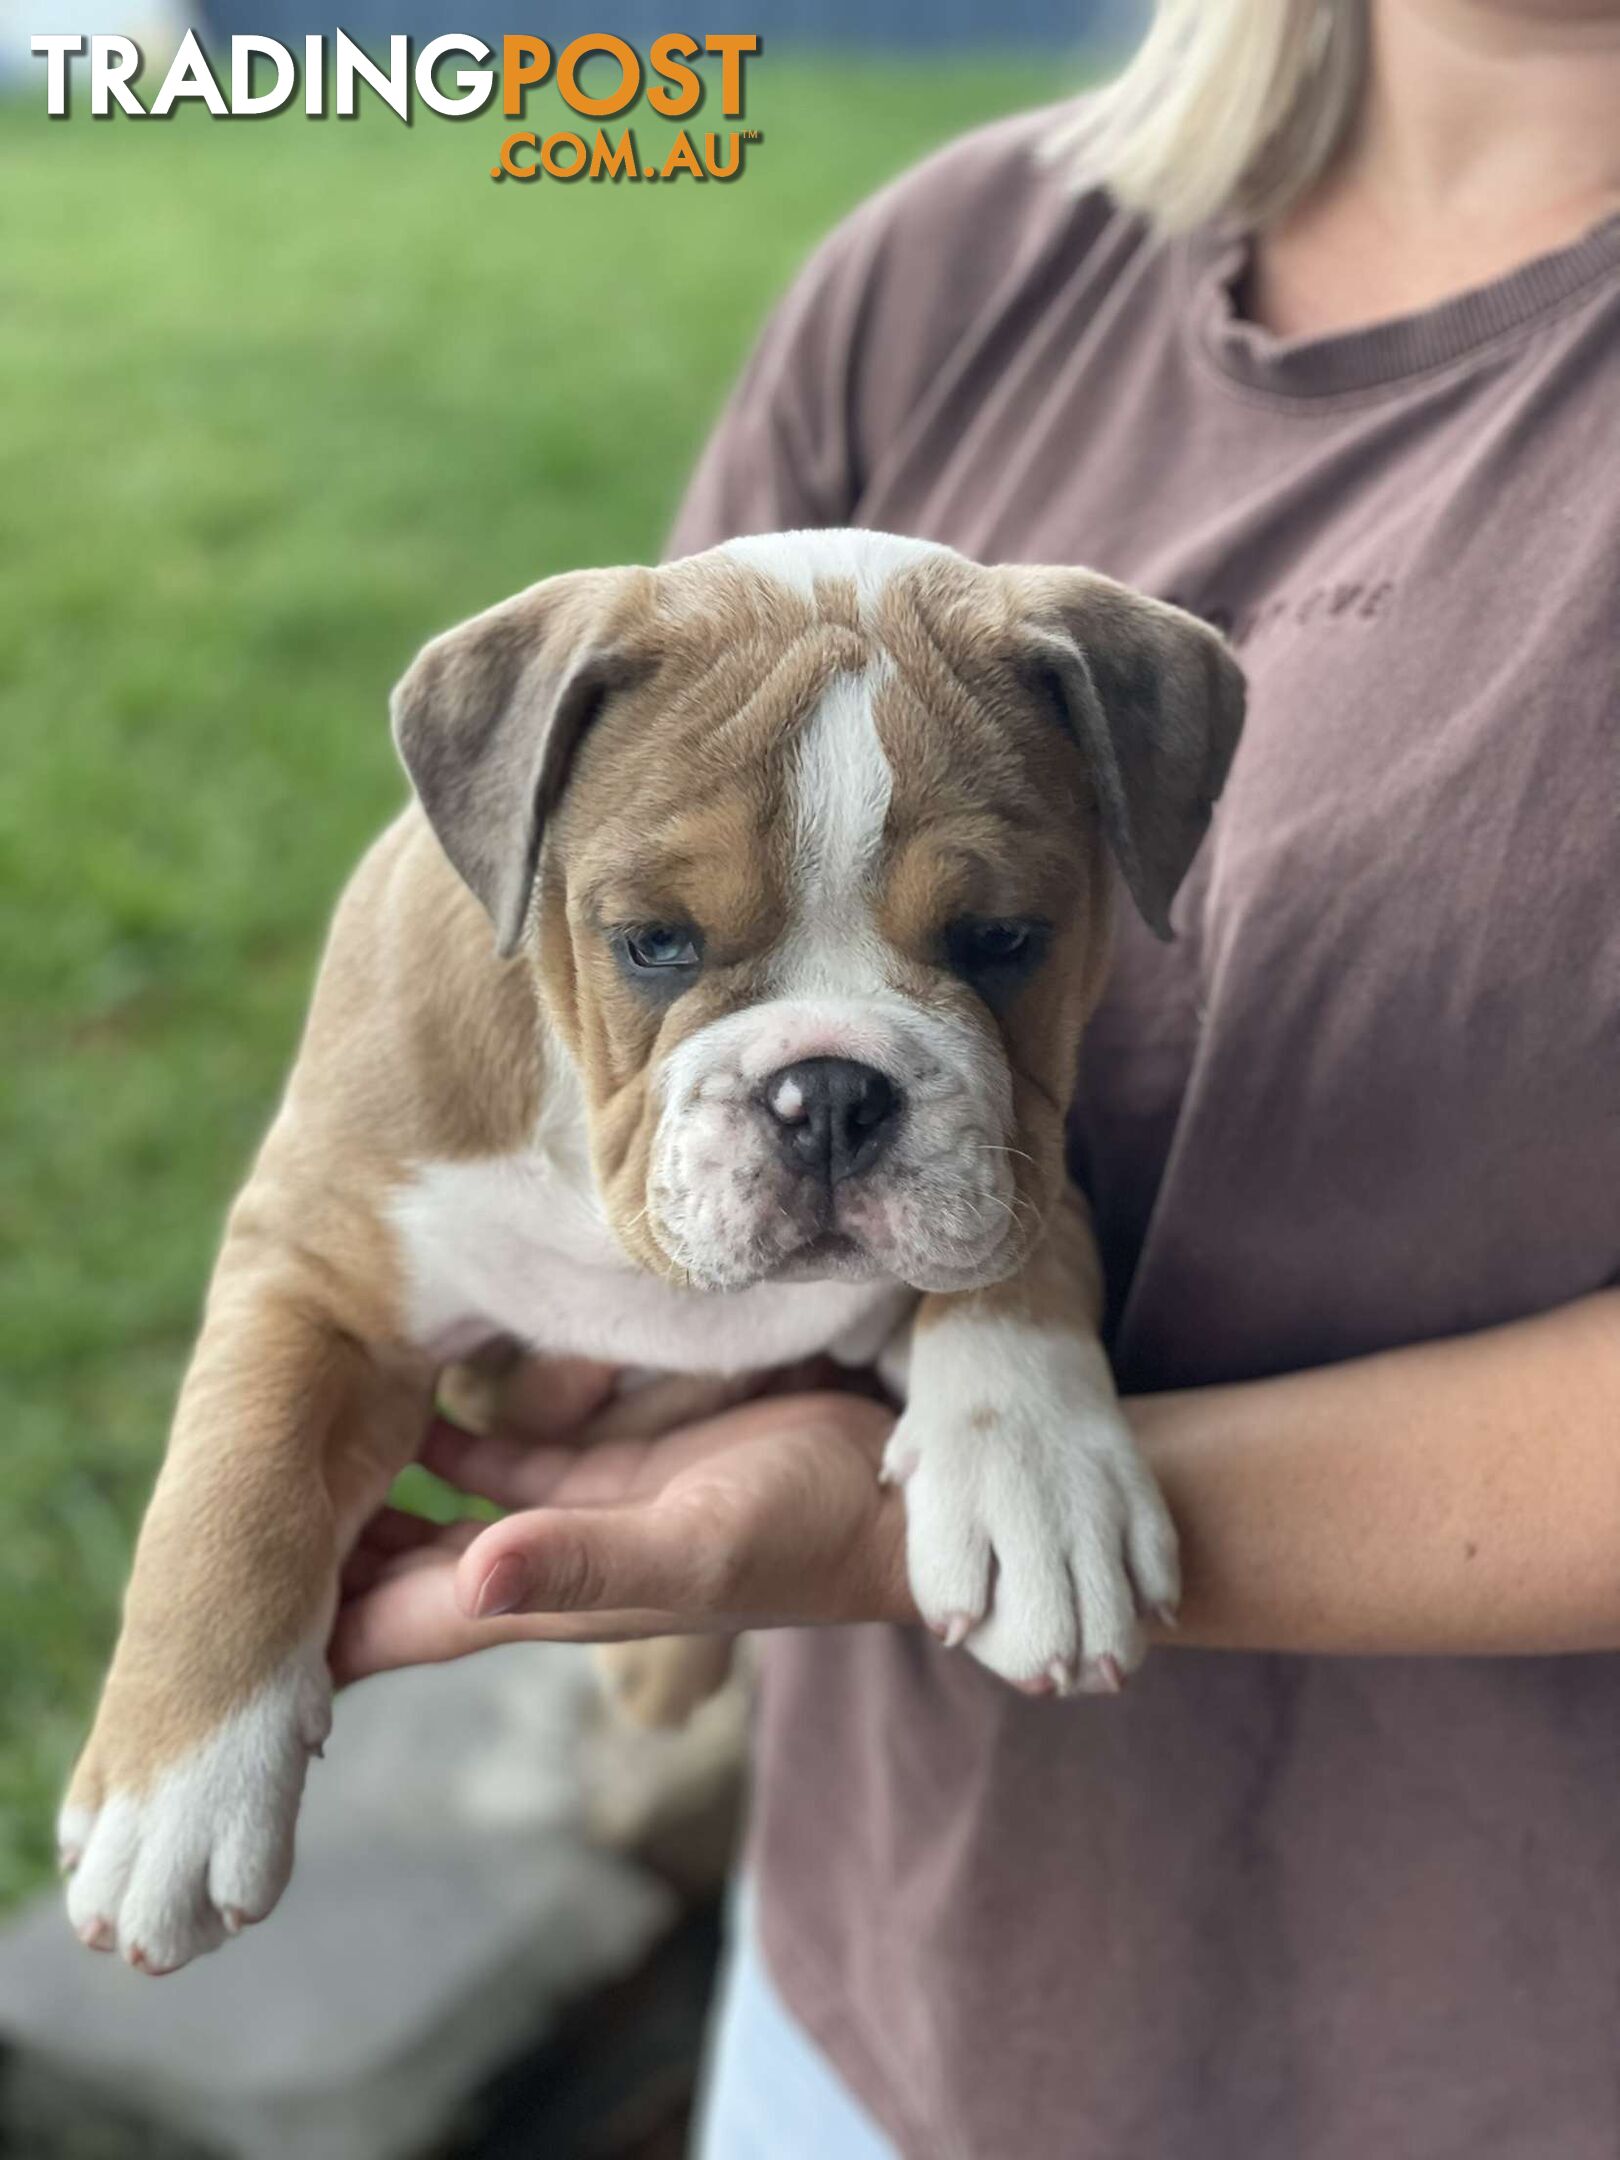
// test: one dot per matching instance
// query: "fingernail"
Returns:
(503, 1589)
(1167, 1617)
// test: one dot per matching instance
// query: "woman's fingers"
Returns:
(514, 1475)
(658, 1406)
(414, 1617)
(393, 1538)
(775, 1499)
(393, 1530)
(769, 1512)
(495, 1467)
(550, 1398)
(587, 1560)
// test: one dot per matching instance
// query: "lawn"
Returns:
(279, 400)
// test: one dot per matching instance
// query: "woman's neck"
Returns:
(1489, 134)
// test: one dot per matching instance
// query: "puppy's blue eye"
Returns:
(990, 946)
(661, 945)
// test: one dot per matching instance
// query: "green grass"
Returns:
(279, 400)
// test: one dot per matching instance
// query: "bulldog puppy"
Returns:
(714, 1005)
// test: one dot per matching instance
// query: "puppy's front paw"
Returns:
(1035, 1540)
(167, 1859)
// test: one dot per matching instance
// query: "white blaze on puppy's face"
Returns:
(842, 786)
(937, 1207)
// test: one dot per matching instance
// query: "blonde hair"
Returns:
(1228, 108)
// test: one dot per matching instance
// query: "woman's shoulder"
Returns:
(971, 209)
(957, 241)
(964, 241)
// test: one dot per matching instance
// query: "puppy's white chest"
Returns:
(513, 1245)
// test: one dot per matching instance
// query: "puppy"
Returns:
(715, 1004)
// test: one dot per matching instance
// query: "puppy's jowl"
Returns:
(715, 1004)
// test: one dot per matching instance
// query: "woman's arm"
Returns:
(1460, 1497)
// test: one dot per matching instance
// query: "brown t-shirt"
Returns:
(1261, 1908)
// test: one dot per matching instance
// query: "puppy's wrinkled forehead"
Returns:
(831, 720)
(793, 686)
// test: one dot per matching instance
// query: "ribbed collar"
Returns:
(1381, 353)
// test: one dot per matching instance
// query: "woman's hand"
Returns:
(1457, 1498)
(769, 1514)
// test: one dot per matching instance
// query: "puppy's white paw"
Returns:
(165, 1867)
(1036, 1536)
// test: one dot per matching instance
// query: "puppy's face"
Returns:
(822, 903)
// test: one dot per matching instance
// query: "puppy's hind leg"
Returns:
(177, 1829)
(660, 1682)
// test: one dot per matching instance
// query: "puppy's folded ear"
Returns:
(1155, 699)
(488, 716)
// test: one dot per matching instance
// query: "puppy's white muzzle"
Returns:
(765, 1165)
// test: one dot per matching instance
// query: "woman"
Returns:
(1309, 323)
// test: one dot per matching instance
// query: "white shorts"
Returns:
(771, 2094)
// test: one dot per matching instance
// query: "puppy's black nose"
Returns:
(834, 1118)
